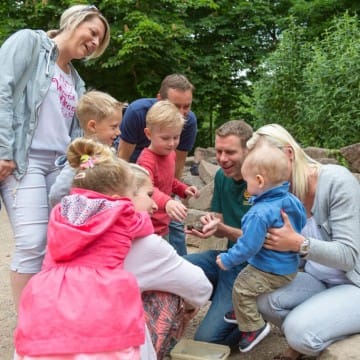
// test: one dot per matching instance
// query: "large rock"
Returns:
(357, 175)
(207, 171)
(351, 154)
(189, 179)
(327, 160)
(319, 153)
(207, 154)
(203, 202)
(347, 349)
(193, 216)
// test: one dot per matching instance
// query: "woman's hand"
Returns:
(284, 238)
(7, 167)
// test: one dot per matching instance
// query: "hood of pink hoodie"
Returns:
(86, 223)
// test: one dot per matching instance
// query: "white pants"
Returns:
(26, 202)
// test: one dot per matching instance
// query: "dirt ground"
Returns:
(270, 346)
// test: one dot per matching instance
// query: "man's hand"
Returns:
(210, 223)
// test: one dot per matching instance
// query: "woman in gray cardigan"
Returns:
(320, 306)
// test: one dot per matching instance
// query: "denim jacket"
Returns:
(18, 121)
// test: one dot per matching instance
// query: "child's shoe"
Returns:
(230, 317)
(249, 339)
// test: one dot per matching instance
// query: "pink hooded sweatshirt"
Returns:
(83, 301)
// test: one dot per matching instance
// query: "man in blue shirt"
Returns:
(179, 90)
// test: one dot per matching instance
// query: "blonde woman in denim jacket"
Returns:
(39, 89)
(320, 306)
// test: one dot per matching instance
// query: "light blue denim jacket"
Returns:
(18, 121)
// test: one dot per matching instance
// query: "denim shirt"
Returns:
(18, 121)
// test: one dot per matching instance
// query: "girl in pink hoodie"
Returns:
(83, 303)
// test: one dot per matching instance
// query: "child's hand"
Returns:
(219, 263)
(176, 210)
(192, 191)
(190, 313)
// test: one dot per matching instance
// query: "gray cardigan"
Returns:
(336, 210)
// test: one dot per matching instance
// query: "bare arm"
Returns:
(230, 232)
(180, 162)
(125, 150)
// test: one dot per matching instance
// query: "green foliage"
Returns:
(278, 90)
(212, 42)
(313, 89)
(316, 16)
(331, 105)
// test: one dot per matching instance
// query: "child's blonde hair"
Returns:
(164, 114)
(98, 169)
(141, 176)
(96, 105)
(75, 15)
(269, 162)
(276, 135)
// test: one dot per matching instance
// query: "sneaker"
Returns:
(194, 170)
(250, 339)
(230, 317)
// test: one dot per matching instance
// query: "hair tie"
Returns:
(80, 175)
(86, 161)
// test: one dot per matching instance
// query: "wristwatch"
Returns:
(304, 247)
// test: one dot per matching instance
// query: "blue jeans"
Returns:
(312, 314)
(213, 328)
(177, 237)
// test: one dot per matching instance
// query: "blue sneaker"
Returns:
(249, 339)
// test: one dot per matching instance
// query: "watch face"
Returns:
(304, 248)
